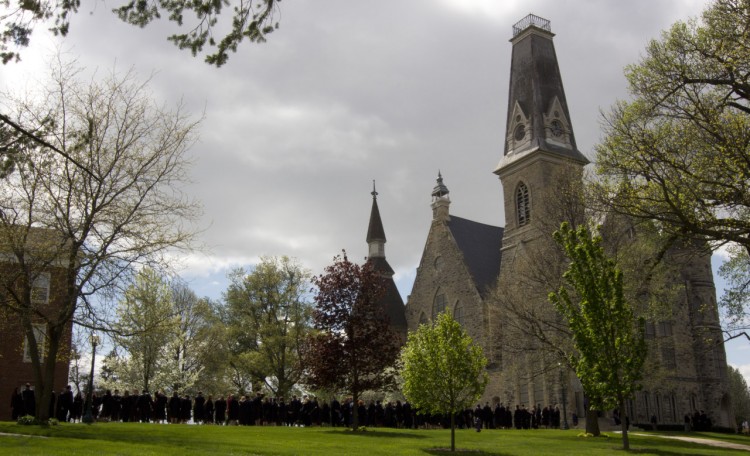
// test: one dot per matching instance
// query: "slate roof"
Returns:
(535, 81)
(480, 245)
(375, 231)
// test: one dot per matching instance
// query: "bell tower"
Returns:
(539, 138)
(540, 162)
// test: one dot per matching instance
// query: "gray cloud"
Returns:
(345, 92)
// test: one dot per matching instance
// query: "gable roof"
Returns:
(480, 245)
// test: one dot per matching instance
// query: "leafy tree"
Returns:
(269, 318)
(192, 342)
(740, 394)
(443, 370)
(249, 20)
(354, 348)
(679, 152)
(609, 340)
(144, 327)
(736, 297)
(89, 228)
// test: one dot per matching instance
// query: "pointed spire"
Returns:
(375, 231)
(538, 117)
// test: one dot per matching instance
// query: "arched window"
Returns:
(458, 313)
(523, 205)
(438, 305)
(423, 319)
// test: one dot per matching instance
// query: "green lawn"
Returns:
(183, 440)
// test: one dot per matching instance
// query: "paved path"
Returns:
(3, 434)
(701, 441)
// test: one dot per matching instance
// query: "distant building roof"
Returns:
(480, 245)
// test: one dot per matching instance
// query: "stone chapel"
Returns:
(482, 274)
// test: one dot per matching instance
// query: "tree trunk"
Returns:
(355, 410)
(453, 432)
(592, 423)
(624, 424)
(45, 383)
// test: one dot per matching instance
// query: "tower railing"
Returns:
(531, 21)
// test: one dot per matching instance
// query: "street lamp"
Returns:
(564, 394)
(89, 417)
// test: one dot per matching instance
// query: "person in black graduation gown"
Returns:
(29, 400)
(198, 408)
(173, 408)
(233, 410)
(208, 410)
(16, 405)
(64, 404)
(220, 411)
(145, 404)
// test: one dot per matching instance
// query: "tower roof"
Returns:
(538, 116)
(375, 231)
(440, 189)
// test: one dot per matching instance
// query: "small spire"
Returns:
(440, 189)
(375, 232)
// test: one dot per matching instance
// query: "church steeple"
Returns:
(375, 232)
(440, 200)
(538, 117)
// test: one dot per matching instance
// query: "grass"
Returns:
(183, 440)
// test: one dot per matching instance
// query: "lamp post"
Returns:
(564, 394)
(89, 417)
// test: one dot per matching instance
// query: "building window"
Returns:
(423, 319)
(40, 288)
(650, 331)
(438, 306)
(458, 313)
(668, 357)
(523, 207)
(40, 334)
(665, 329)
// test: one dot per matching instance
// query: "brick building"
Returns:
(45, 304)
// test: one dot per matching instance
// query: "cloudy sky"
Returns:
(346, 92)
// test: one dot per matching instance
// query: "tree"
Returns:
(251, 20)
(144, 327)
(163, 336)
(354, 349)
(609, 340)
(736, 297)
(740, 394)
(193, 340)
(91, 228)
(443, 369)
(678, 154)
(269, 318)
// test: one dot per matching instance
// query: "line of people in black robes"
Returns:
(260, 410)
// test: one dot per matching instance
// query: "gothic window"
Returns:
(438, 306)
(523, 206)
(422, 319)
(458, 313)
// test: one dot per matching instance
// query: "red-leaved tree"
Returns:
(353, 349)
